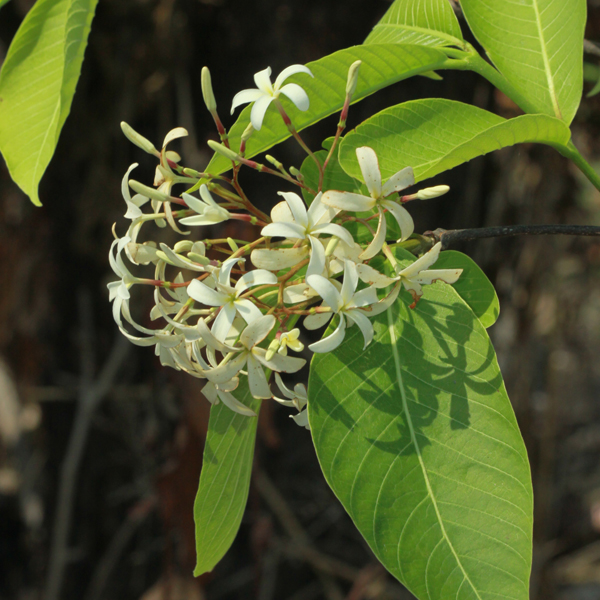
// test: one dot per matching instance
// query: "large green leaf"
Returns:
(435, 135)
(473, 286)
(537, 45)
(383, 64)
(423, 22)
(417, 438)
(37, 84)
(225, 479)
(3, 2)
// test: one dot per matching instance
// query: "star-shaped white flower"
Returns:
(266, 92)
(214, 393)
(228, 297)
(369, 166)
(346, 302)
(291, 220)
(209, 212)
(296, 398)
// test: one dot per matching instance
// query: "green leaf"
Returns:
(537, 45)
(426, 23)
(417, 438)
(435, 135)
(3, 2)
(225, 479)
(37, 84)
(383, 64)
(473, 286)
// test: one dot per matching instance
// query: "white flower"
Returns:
(347, 303)
(133, 204)
(228, 297)
(209, 212)
(369, 166)
(248, 354)
(118, 291)
(267, 92)
(214, 393)
(296, 398)
(292, 221)
(290, 339)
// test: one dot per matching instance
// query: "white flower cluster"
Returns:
(220, 317)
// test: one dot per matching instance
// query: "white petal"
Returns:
(301, 419)
(178, 132)
(226, 372)
(257, 331)
(245, 96)
(262, 80)
(400, 181)
(297, 207)
(259, 108)
(334, 229)
(316, 265)
(299, 292)
(297, 95)
(200, 292)
(207, 196)
(280, 363)
(284, 389)
(377, 244)
(383, 305)
(257, 381)
(331, 342)
(259, 277)
(364, 297)
(195, 204)
(210, 217)
(281, 213)
(248, 310)
(285, 230)
(326, 290)
(350, 282)
(230, 401)
(363, 323)
(373, 277)
(222, 324)
(288, 72)
(274, 260)
(319, 213)
(348, 201)
(180, 261)
(422, 263)
(402, 216)
(125, 183)
(445, 275)
(225, 272)
(317, 320)
(369, 166)
(211, 341)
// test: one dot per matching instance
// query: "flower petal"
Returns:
(225, 372)
(297, 207)
(259, 108)
(222, 324)
(297, 95)
(285, 230)
(230, 401)
(262, 80)
(445, 275)
(257, 380)
(200, 292)
(248, 310)
(350, 282)
(422, 263)
(316, 265)
(257, 331)
(301, 419)
(369, 166)
(288, 72)
(178, 132)
(373, 277)
(383, 305)
(402, 216)
(280, 363)
(377, 244)
(274, 260)
(331, 342)
(259, 277)
(299, 292)
(334, 229)
(317, 320)
(326, 290)
(225, 271)
(364, 297)
(319, 213)
(359, 317)
(348, 201)
(244, 97)
(400, 181)
(281, 213)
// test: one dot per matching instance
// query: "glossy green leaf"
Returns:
(383, 64)
(417, 438)
(473, 286)
(3, 2)
(537, 45)
(37, 84)
(225, 479)
(422, 22)
(435, 135)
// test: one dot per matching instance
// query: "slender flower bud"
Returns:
(247, 133)
(272, 349)
(192, 173)
(207, 91)
(352, 77)
(183, 246)
(221, 149)
(274, 161)
(139, 140)
(232, 244)
(149, 192)
(296, 173)
(433, 192)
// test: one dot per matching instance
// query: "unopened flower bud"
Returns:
(221, 149)
(272, 349)
(432, 192)
(191, 173)
(139, 140)
(207, 91)
(274, 161)
(149, 192)
(232, 244)
(352, 77)
(183, 246)
(296, 173)
(247, 133)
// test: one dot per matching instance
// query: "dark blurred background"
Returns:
(126, 442)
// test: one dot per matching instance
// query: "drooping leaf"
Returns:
(426, 23)
(225, 479)
(473, 286)
(37, 84)
(383, 64)
(537, 45)
(434, 135)
(417, 438)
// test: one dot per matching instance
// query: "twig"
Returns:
(453, 236)
(90, 395)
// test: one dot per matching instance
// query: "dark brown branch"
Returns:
(451, 237)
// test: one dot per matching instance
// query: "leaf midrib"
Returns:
(549, 76)
(418, 451)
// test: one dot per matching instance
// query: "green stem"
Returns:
(571, 152)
